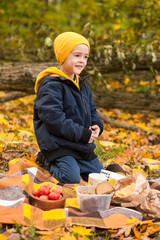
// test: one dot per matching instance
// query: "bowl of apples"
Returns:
(47, 197)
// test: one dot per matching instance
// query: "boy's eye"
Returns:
(77, 55)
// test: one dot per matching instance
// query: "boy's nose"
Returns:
(82, 59)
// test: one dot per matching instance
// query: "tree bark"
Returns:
(129, 63)
(117, 124)
(126, 100)
(21, 77)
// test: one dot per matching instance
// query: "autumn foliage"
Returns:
(136, 152)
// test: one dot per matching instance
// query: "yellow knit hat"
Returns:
(65, 42)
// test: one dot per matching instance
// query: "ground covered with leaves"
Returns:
(136, 151)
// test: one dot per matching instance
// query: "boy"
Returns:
(65, 117)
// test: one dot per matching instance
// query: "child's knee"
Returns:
(70, 178)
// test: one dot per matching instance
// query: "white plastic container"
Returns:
(111, 175)
(89, 201)
(95, 178)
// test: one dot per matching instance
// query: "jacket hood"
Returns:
(56, 71)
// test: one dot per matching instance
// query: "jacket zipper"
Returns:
(84, 108)
(90, 146)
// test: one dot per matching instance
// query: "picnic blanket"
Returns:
(15, 186)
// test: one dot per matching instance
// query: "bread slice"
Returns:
(104, 187)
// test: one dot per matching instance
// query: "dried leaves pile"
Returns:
(137, 152)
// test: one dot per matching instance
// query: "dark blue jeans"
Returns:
(69, 170)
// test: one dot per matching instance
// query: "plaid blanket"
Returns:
(15, 187)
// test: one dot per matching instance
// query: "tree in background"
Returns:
(27, 28)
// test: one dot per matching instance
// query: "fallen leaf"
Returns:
(67, 236)
(108, 144)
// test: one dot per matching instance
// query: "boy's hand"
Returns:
(95, 132)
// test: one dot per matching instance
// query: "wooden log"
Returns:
(126, 100)
(21, 77)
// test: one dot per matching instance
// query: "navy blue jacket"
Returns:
(62, 117)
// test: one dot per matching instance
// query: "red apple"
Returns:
(49, 185)
(54, 195)
(59, 189)
(44, 197)
(36, 192)
(44, 190)
(53, 189)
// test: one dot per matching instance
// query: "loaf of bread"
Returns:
(89, 205)
(126, 191)
(104, 187)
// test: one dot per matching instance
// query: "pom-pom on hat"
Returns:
(65, 42)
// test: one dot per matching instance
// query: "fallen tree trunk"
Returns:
(21, 77)
(130, 63)
(127, 100)
(117, 124)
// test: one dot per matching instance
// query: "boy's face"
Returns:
(75, 61)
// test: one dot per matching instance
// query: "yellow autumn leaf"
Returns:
(127, 169)
(107, 143)
(158, 80)
(136, 231)
(24, 132)
(3, 120)
(49, 237)
(133, 220)
(2, 11)
(154, 167)
(157, 153)
(130, 89)
(125, 116)
(155, 121)
(152, 164)
(67, 236)
(53, 234)
(2, 93)
(47, 233)
(123, 134)
(116, 26)
(3, 135)
(82, 230)
(134, 136)
(126, 80)
(150, 161)
(16, 142)
(151, 230)
(11, 136)
(149, 222)
(137, 170)
(108, 113)
(27, 100)
(131, 122)
(108, 161)
(2, 237)
(143, 83)
(30, 124)
(115, 84)
(142, 125)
